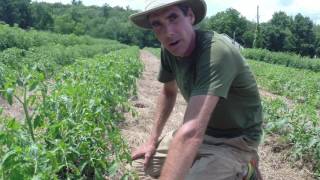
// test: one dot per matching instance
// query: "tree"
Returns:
(64, 24)
(277, 33)
(16, 12)
(249, 35)
(105, 10)
(229, 22)
(317, 32)
(76, 2)
(303, 35)
(281, 19)
(41, 18)
(204, 24)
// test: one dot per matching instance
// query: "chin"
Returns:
(178, 54)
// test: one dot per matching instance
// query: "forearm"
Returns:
(164, 108)
(187, 140)
(182, 152)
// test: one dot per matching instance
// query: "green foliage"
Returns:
(229, 22)
(42, 19)
(13, 58)
(16, 37)
(2, 75)
(294, 116)
(71, 132)
(303, 35)
(281, 58)
(281, 19)
(75, 126)
(258, 39)
(281, 33)
(298, 126)
(276, 38)
(47, 52)
(302, 86)
(16, 12)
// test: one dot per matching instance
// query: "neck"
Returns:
(192, 44)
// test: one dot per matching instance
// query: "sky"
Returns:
(247, 8)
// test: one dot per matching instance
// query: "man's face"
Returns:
(174, 30)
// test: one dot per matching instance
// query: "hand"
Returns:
(146, 150)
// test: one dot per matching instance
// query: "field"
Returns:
(70, 108)
(73, 92)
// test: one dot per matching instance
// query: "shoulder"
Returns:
(219, 52)
(215, 43)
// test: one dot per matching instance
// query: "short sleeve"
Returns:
(216, 69)
(166, 72)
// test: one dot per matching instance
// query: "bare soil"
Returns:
(15, 110)
(273, 155)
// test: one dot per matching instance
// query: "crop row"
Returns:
(72, 132)
(296, 115)
(299, 129)
(302, 86)
(22, 39)
(282, 58)
(47, 59)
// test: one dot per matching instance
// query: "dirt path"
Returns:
(136, 129)
(15, 110)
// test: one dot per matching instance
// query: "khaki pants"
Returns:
(217, 159)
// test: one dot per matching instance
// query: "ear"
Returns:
(191, 16)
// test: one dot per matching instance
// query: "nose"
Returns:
(169, 31)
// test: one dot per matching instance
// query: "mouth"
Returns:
(174, 43)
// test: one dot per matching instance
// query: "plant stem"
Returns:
(25, 108)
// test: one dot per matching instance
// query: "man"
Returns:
(221, 128)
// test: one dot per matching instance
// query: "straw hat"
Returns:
(140, 19)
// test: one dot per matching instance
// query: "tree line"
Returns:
(99, 22)
(296, 34)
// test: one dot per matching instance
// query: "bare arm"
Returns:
(165, 104)
(186, 142)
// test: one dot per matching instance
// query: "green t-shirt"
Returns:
(216, 67)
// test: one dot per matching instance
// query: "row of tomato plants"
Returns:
(30, 61)
(301, 86)
(283, 58)
(30, 50)
(47, 58)
(25, 39)
(70, 129)
(298, 127)
(295, 114)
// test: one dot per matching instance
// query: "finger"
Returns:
(146, 159)
(137, 154)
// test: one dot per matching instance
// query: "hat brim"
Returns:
(198, 7)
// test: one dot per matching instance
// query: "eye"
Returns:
(172, 17)
(155, 24)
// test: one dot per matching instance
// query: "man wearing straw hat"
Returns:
(221, 129)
